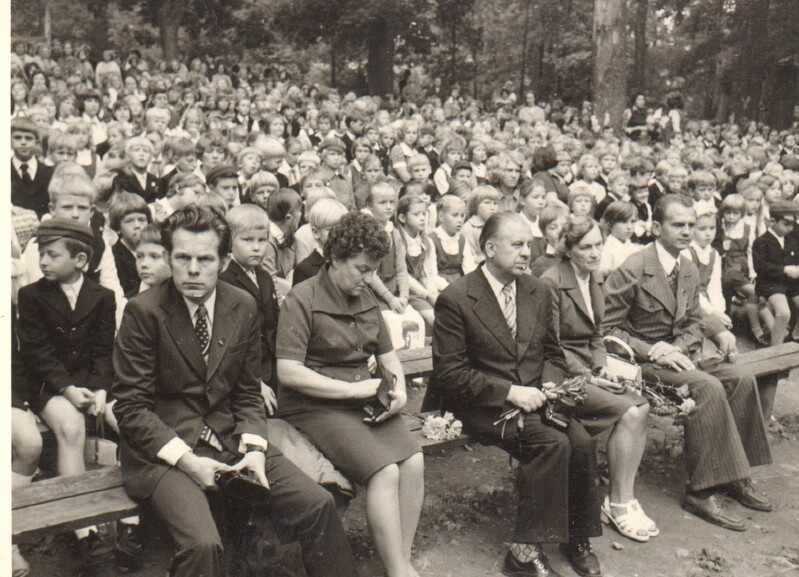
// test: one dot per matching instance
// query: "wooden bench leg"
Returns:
(767, 387)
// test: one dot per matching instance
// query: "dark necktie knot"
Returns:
(673, 276)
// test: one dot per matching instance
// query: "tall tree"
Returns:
(609, 77)
(639, 60)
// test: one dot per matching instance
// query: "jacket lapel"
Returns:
(682, 289)
(527, 304)
(181, 329)
(226, 321)
(86, 300)
(655, 281)
(55, 298)
(598, 298)
(486, 309)
(568, 281)
(244, 279)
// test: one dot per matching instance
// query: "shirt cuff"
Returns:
(251, 439)
(172, 452)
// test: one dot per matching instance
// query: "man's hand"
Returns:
(80, 397)
(270, 400)
(201, 470)
(676, 360)
(528, 399)
(659, 349)
(98, 403)
(254, 461)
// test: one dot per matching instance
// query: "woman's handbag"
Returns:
(626, 369)
(99, 450)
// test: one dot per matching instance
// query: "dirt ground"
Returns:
(469, 507)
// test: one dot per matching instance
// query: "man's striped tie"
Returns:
(509, 310)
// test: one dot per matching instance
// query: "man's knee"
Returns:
(201, 551)
(547, 442)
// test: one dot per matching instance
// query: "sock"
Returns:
(18, 480)
(524, 552)
(130, 520)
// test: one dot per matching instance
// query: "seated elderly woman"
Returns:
(329, 328)
(577, 307)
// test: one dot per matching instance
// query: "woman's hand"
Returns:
(398, 401)
(270, 399)
(365, 389)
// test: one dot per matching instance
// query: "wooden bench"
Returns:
(62, 504)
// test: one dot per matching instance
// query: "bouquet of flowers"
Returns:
(441, 428)
(668, 401)
(569, 393)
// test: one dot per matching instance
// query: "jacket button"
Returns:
(352, 324)
(357, 377)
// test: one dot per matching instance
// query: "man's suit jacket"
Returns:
(576, 328)
(641, 309)
(61, 347)
(164, 388)
(268, 311)
(769, 260)
(33, 196)
(129, 183)
(475, 357)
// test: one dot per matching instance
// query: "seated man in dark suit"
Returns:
(652, 303)
(189, 405)
(492, 335)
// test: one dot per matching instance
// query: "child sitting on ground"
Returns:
(127, 216)
(618, 224)
(454, 256)
(61, 147)
(552, 219)
(424, 284)
(304, 243)
(735, 247)
(284, 210)
(702, 187)
(323, 214)
(152, 259)
(483, 202)
(249, 229)
(581, 200)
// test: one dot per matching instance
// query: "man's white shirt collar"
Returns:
(667, 261)
(210, 305)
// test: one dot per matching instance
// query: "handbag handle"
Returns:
(622, 344)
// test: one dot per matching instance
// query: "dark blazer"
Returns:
(641, 310)
(32, 196)
(164, 388)
(126, 267)
(768, 258)
(308, 268)
(61, 347)
(577, 330)
(475, 357)
(129, 183)
(268, 312)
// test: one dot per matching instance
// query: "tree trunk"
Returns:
(609, 77)
(453, 49)
(170, 16)
(755, 62)
(525, 50)
(639, 65)
(333, 71)
(713, 85)
(48, 28)
(380, 65)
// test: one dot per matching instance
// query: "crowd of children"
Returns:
(100, 159)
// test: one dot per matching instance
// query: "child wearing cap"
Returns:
(333, 169)
(66, 338)
(775, 254)
(223, 181)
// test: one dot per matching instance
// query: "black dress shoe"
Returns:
(743, 492)
(582, 557)
(93, 550)
(711, 510)
(128, 551)
(538, 567)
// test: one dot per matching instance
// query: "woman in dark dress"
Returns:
(329, 328)
(577, 310)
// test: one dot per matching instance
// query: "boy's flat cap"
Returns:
(221, 171)
(58, 228)
(332, 143)
(782, 208)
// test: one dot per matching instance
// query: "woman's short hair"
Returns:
(356, 233)
(325, 213)
(573, 232)
(123, 204)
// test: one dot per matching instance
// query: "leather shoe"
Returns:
(582, 557)
(712, 511)
(128, 551)
(538, 567)
(743, 492)
(93, 550)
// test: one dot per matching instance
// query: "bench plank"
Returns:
(416, 362)
(771, 360)
(71, 513)
(64, 487)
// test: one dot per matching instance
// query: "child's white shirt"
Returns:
(451, 246)
(535, 228)
(614, 253)
(713, 302)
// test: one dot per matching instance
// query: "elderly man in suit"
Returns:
(187, 363)
(492, 335)
(652, 303)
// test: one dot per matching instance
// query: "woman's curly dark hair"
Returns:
(354, 234)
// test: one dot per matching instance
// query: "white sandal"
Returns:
(630, 523)
(651, 526)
